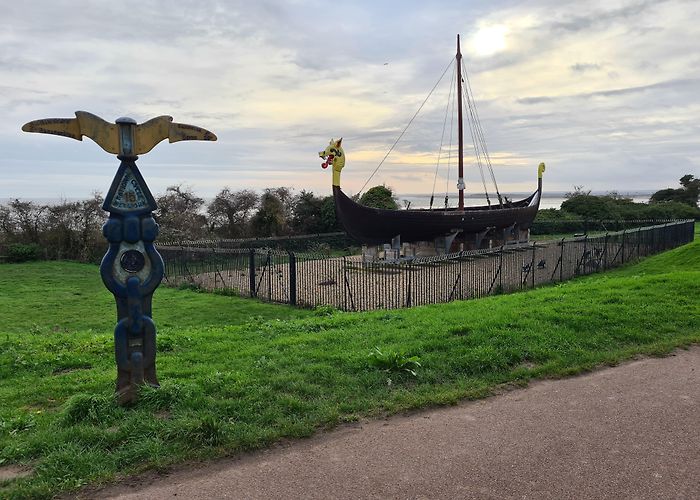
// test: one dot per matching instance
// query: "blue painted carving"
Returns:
(132, 269)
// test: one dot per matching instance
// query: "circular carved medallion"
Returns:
(132, 261)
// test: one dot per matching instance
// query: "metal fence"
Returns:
(348, 283)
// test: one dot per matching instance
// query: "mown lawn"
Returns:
(238, 375)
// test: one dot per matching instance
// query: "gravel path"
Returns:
(632, 431)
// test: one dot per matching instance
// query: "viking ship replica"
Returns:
(475, 227)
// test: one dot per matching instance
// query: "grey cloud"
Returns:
(20, 64)
(583, 67)
(536, 100)
(602, 18)
(682, 84)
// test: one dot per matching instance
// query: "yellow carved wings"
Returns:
(106, 135)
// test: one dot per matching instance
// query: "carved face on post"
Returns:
(334, 155)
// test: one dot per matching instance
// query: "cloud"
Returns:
(583, 67)
(686, 84)
(601, 93)
(598, 19)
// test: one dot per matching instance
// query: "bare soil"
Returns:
(10, 472)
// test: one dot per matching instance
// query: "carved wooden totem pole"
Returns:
(132, 268)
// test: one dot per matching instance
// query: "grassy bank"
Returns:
(239, 375)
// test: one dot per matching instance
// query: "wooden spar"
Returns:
(460, 181)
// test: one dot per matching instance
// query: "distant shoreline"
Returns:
(419, 200)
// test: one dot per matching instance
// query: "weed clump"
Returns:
(461, 331)
(393, 361)
(325, 310)
(206, 430)
(193, 287)
(89, 409)
(165, 397)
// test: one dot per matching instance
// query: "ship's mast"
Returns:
(460, 181)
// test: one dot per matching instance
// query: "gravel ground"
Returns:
(348, 284)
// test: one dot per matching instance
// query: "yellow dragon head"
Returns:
(334, 155)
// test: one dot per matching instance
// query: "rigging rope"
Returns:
(468, 109)
(442, 138)
(480, 134)
(406, 128)
(449, 156)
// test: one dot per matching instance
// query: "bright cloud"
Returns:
(604, 92)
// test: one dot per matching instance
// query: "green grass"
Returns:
(239, 375)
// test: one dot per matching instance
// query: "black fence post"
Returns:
(532, 264)
(500, 270)
(345, 284)
(605, 252)
(408, 268)
(269, 275)
(639, 240)
(251, 271)
(623, 246)
(561, 260)
(292, 278)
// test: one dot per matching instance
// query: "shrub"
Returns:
(379, 197)
(21, 252)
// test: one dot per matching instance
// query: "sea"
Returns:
(549, 200)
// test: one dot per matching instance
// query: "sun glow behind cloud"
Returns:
(604, 92)
(489, 40)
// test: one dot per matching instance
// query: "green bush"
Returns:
(379, 197)
(613, 207)
(21, 252)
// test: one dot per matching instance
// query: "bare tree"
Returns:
(230, 212)
(180, 214)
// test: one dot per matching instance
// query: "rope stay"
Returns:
(406, 127)
(474, 114)
(476, 131)
(475, 142)
(449, 157)
(442, 139)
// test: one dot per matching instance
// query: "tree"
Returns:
(7, 226)
(688, 192)
(179, 214)
(330, 221)
(578, 191)
(588, 206)
(230, 212)
(29, 219)
(313, 214)
(271, 217)
(73, 229)
(379, 197)
(89, 219)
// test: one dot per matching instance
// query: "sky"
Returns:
(604, 92)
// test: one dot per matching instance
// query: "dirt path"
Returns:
(627, 432)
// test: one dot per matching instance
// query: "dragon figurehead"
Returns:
(335, 156)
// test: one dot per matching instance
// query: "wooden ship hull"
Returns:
(374, 226)
(474, 226)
